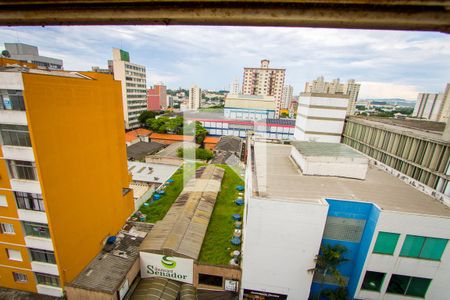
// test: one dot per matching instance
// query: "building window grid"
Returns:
(423, 247)
(12, 100)
(43, 256)
(47, 279)
(15, 135)
(20, 169)
(19, 277)
(29, 201)
(36, 229)
(410, 288)
(7, 228)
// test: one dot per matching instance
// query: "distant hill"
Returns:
(394, 101)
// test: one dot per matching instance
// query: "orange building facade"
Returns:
(63, 191)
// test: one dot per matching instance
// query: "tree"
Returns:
(327, 261)
(203, 154)
(145, 115)
(284, 115)
(200, 131)
(341, 293)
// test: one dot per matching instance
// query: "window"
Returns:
(36, 229)
(15, 135)
(14, 254)
(43, 256)
(47, 279)
(3, 201)
(19, 277)
(386, 243)
(373, 281)
(423, 247)
(29, 201)
(7, 228)
(20, 169)
(11, 100)
(207, 279)
(408, 286)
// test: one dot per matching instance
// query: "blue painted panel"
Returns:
(356, 252)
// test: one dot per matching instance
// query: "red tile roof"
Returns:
(172, 137)
(211, 140)
(132, 135)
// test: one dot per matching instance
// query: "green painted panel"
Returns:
(386, 243)
(124, 55)
(412, 246)
(433, 248)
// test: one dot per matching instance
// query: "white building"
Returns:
(195, 98)
(134, 92)
(249, 107)
(264, 81)
(396, 237)
(29, 53)
(433, 107)
(320, 117)
(351, 88)
(235, 88)
(287, 97)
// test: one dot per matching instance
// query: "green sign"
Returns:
(124, 55)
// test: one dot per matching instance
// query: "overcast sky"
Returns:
(389, 64)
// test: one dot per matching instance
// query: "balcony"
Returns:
(39, 243)
(43, 267)
(18, 153)
(13, 117)
(32, 216)
(26, 186)
(49, 290)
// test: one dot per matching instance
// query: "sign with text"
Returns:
(175, 268)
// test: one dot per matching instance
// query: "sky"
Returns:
(388, 64)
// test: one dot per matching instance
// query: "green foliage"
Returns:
(360, 107)
(145, 115)
(340, 293)
(203, 154)
(216, 247)
(200, 131)
(329, 258)
(284, 115)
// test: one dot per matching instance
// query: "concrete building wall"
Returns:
(411, 224)
(425, 159)
(320, 117)
(195, 98)
(68, 165)
(268, 264)
(433, 107)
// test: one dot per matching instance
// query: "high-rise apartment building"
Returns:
(195, 98)
(287, 96)
(351, 88)
(134, 92)
(29, 53)
(433, 107)
(264, 81)
(157, 97)
(235, 88)
(63, 174)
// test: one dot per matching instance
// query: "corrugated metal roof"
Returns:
(183, 229)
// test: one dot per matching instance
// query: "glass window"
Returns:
(43, 256)
(15, 135)
(7, 228)
(14, 254)
(11, 100)
(29, 201)
(373, 281)
(47, 279)
(386, 243)
(36, 229)
(423, 247)
(19, 277)
(20, 169)
(408, 286)
(207, 279)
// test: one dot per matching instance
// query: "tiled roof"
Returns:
(211, 140)
(132, 135)
(173, 137)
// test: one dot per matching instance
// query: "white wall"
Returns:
(281, 240)
(11, 81)
(422, 225)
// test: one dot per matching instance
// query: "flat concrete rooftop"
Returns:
(279, 178)
(325, 149)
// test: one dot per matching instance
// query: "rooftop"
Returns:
(140, 150)
(134, 134)
(148, 172)
(326, 149)
(183, 228)
(172, 137)
(107, 270)
(284, 181)
(171, 150)
(416, 128)
(229, 143)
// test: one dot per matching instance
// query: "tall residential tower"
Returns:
(134, 92)
(63, 175)
(195, 97)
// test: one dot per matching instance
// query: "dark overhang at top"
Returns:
(429, 15)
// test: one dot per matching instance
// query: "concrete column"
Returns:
(446, 134)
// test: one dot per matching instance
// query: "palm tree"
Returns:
(327, 261)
